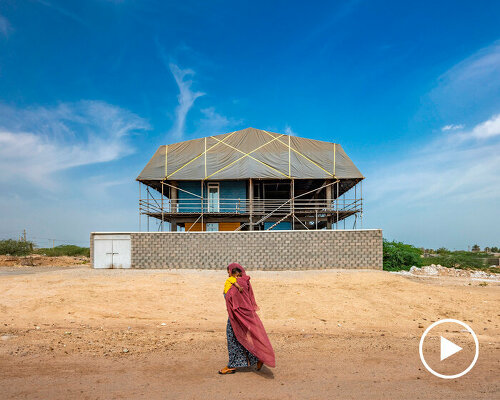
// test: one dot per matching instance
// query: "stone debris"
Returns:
(439, 270)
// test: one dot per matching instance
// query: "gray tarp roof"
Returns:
(250, 153)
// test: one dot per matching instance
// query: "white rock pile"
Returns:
(439, 270)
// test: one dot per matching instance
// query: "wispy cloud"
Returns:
(451, 127)
(340, 11)
(471, 87)
(483, 131)
(289, 131)
(454, 168)
(214, 123)
(63, 11)
(186, 98)
(5, 27)
(481, 65)
(36, 143)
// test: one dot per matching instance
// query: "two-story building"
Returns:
(250, 179)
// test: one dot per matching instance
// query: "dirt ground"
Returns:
(41, 260)
(81, 333)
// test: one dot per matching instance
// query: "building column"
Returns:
(329, 196)
(292, 201)
(173, 205)
(250, 203)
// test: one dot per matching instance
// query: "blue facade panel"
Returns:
(188, 202)
(282, 226)
(232, 196)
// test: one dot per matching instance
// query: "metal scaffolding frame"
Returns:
(309, 213)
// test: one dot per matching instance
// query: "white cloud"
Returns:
(289, 131)
(213, 118)
(484, 63)
(5, 27)
(487, 129)
(452, 169)
(38, 142)
(445, 193)
(214, 123)
(451, 127)
(469, 88)
(186, 99)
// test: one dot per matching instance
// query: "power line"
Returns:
(58, 240)
(22, 235)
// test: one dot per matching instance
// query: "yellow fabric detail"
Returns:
(229, 283)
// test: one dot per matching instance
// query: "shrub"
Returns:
(442, 250)
(15, 247)
(459, 259)
(65, 250)
(400, 256)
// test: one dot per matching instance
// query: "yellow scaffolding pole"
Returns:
(248, 155)
(299, 153)
(199, 155)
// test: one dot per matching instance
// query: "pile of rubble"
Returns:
(439, 270)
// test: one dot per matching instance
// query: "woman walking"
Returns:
(247, 341)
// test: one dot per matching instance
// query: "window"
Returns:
(212, 226)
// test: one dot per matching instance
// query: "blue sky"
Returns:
(88, 90)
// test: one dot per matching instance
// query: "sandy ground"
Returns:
(158, 334)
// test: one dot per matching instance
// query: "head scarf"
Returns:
(246, 324)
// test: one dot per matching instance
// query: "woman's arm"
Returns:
(238, 286)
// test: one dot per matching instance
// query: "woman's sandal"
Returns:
(259, 365)
(227, 370)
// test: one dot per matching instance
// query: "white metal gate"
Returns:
(112, 251)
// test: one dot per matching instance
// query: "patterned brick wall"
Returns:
(266, 250)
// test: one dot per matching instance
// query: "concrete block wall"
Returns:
(263, 250)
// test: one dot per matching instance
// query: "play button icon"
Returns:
(448, 348)
(444, 339)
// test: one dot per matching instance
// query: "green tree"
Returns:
(15, 247)
(400, 256)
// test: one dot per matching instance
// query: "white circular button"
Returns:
(448, 348)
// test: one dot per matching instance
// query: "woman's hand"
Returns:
(240, 289)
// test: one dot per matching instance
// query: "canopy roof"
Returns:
(250, 153)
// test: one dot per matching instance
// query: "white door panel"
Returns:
(112, 251)
(102, 253)
(121, 253)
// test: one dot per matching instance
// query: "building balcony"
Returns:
(169, 209)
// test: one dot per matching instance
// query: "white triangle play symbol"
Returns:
(448, 348)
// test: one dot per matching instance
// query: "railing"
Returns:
(243, 206)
